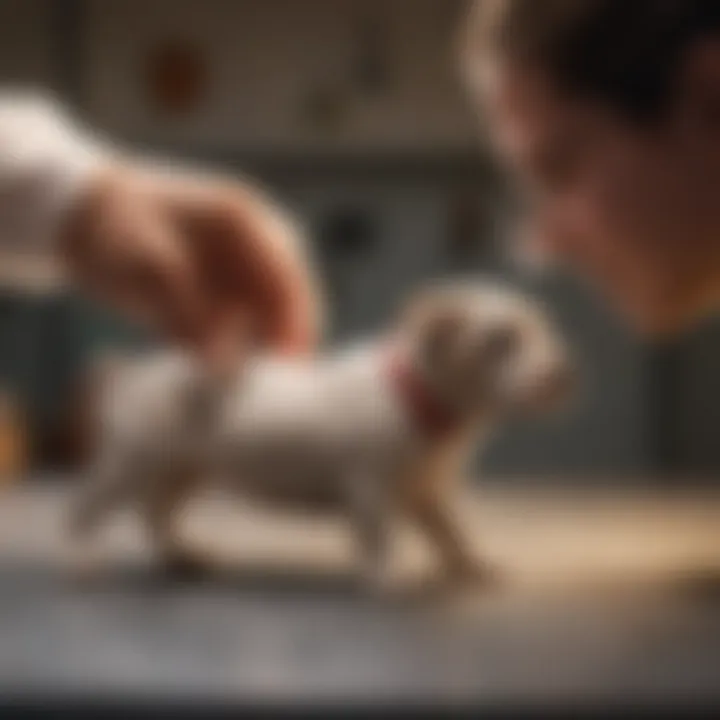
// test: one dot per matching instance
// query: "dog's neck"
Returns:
(432, 414)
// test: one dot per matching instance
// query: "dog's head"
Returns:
(488, 350)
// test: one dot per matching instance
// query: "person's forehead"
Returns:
(524, 108)
(512, 87)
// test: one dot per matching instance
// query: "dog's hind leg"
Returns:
(107, 484)
(162, 511)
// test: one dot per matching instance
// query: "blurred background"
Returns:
(352, 112)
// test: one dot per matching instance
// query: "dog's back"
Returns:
(297, 422)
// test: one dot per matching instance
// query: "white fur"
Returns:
(329, 430)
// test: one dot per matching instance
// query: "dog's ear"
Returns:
(424, 307)
(439, 335)
(434, 322)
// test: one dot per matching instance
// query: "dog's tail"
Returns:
(103, 368)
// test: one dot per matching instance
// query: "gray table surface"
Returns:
(610, 597)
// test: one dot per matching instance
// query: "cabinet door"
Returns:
(373, 245)
(689, 395)
(22, 367)
(45, 342)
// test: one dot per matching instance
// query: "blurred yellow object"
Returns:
(13, 440)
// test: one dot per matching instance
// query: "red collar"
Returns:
(427, 411)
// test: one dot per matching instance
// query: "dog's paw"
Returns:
(376, 581)
(76, 524)
(471, 574)
(185, 564)
(82, 566)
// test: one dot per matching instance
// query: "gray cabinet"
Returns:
(690, 401)
(373, 246)
(45, 342)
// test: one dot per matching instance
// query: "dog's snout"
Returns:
(550, 386)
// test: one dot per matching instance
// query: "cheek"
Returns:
(626, 214)
(650, 219)
(622, 200)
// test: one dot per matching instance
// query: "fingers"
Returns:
(166, 277)
(269, 273)
(226, 340)
(211, 267)
(134, 261)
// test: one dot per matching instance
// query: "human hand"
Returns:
(210, 264)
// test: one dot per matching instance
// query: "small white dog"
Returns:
(373, 430)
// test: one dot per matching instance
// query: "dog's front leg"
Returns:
(428, 505)
(370, 515)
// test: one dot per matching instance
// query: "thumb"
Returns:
(227, 340)
(165, 279)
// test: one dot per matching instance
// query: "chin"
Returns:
(666, 321)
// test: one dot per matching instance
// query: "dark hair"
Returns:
(627, 53)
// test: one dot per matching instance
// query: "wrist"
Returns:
(84, 226)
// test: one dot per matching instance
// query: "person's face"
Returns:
(635, 208)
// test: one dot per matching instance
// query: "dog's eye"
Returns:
(499, 343)
(441, 334)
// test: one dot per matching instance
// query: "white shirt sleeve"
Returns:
(46, 159)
